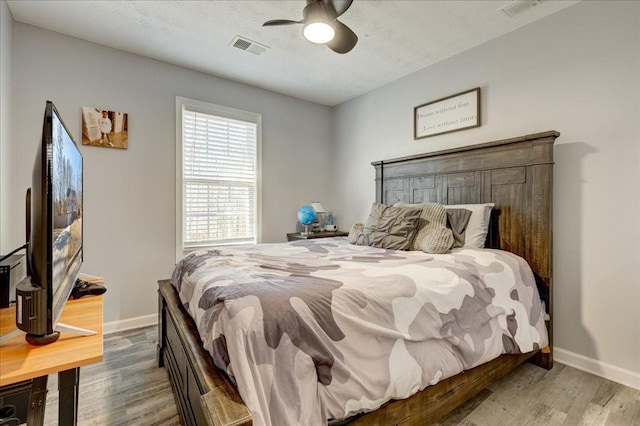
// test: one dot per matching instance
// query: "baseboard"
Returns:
(598, 368)
(129, 324)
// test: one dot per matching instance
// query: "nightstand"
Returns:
(321, 234)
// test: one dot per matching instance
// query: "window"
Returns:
(218, 161)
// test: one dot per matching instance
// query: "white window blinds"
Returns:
(219, 180)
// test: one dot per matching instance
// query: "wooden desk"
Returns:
(22, 361)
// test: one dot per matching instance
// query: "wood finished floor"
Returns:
(127, 388)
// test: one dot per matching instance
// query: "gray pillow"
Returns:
(457, 220)
(432, 216)
(355, 232)
(390, 227)
(436, 241)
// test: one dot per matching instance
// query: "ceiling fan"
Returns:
(321, 25)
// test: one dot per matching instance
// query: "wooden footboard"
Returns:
(203, 393)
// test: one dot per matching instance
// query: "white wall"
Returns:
(577, 72)
(6, 75)
(129, 194)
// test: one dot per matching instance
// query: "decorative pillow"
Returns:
(457, 220)
(476, 233)
(435, 240)
(390, 227)
(355, 232)
(432, 216)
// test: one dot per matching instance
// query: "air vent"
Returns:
(242, 44)
(519, 7)
(247, 45)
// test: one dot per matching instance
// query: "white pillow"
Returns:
(478, 226)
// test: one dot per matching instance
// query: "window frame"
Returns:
(183, 104)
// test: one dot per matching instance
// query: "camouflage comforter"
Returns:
(320, 329)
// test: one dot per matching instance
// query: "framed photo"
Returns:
(456, 112)
(108, 129)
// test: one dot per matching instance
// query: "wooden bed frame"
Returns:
(515, 174)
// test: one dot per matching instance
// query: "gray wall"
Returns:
(129, 194)
(6, 75)
(577, 72)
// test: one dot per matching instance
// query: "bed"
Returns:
(515, 174)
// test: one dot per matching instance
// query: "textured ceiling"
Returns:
(396, 37)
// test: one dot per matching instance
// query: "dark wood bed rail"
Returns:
(204, 394)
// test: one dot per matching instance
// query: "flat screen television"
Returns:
(54, 228)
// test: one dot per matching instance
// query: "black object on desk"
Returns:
(85, 288)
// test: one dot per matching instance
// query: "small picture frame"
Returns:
(105, 128)
(456, 112)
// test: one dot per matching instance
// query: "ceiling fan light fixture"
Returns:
(319, 32)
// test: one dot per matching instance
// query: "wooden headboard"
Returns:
(516, 174)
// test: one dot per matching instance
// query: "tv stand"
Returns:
(44, 339)
(39, 340)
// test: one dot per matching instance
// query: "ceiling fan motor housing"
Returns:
(319, 11)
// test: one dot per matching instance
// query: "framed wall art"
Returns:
(456, 112)
(108, 129)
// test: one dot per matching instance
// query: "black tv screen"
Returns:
(55, 237)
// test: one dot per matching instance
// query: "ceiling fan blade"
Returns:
(344, 40)
(341, 6)
(275, 22)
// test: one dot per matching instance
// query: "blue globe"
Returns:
(306, 215)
